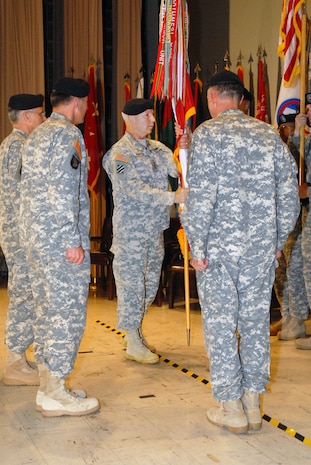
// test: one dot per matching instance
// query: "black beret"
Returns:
(308, 99)
(136, 106)
(25, 101)
(225, 78)
(286, 118)
(71, 86)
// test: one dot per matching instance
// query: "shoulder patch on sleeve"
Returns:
(77, 147)
(75, 155)
(122, 157)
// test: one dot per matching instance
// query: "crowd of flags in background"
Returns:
(176, 97)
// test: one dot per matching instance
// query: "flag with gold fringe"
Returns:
(92, 134)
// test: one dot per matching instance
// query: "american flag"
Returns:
(290, 39)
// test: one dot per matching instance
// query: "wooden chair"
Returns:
(103, 258)
(174, 267)
(170, 248)
(175, 272)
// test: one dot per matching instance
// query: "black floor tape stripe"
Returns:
(290, 431)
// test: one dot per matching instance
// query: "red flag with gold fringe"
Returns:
(92, 134)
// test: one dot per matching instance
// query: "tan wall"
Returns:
(255, 22)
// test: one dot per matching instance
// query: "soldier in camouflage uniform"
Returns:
(243, 203)
(55, 232)
(25, 113)
(138, 169)
(294, 139)
(289, 284)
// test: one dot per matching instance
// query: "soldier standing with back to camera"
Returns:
(242, 204)
(55, 232)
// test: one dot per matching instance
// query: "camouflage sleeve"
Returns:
(307, 154)
(197, 213)
(14, 164)
(84, 201)
(294, 143)
(65, 188)
(171, 165)
(287, 198)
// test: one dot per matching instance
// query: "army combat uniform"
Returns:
(139, 175)
(55, 216)
(20, 315)
(243, 203)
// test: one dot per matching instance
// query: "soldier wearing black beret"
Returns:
(242, 204)
(286, 125)
(25, 112)
(138, 168)
(54, 186)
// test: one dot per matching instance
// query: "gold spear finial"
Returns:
(216, 66)
(197, 69)
(259, 52)
(227, 60)
(239, 59)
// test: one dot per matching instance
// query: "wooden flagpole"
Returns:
(187, 288)
(303, 76)
(183, 158)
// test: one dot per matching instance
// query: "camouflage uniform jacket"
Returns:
(54, 196)
(10, 174)
(139, 176)
(243, 199)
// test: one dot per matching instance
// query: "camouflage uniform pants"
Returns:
(60, 290)
(236, 297)
(21, 313)
(137, 267)
(289, 284)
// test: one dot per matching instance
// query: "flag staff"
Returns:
(183, 159)
(302, 91)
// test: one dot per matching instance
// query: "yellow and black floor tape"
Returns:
(290, 431)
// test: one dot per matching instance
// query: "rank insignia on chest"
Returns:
(154, 165)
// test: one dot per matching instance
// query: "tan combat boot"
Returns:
(18, 372)
(137, 350)
(294, 329)
(251, 404)
(143, 340)
(230, 415)
(58, 400)
(43, 383)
